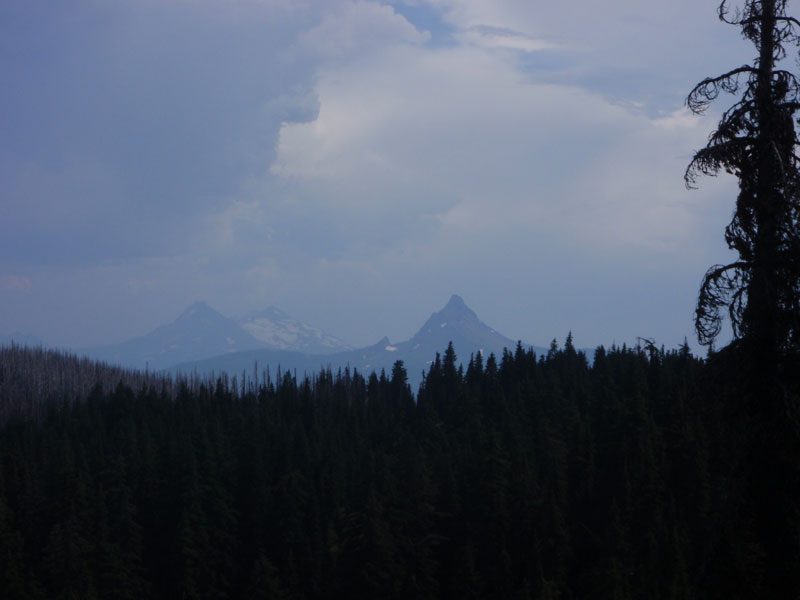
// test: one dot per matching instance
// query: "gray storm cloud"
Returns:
(354, 165)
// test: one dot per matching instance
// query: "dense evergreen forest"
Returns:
(518, 477)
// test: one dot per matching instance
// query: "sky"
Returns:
(357, 162)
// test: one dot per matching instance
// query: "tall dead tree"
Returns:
(757, 142)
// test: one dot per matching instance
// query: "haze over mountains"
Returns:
(201, 332)
(198, 332)
(204, 341)
(455, 322)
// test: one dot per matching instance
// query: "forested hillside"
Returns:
(35, 380)
(522, 477)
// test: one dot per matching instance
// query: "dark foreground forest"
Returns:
(526, 477)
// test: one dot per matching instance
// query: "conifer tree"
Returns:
(756, 141)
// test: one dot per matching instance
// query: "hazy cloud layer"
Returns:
(355, 163)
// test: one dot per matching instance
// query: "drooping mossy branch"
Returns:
(715, 157)
(721, 287)
(708, 90)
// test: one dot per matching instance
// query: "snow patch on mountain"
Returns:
(277, 330)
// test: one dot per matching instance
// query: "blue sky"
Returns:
(357, 162)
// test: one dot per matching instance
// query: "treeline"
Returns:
(523, 477)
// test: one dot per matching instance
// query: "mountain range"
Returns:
(456, 323)
(203, 341)
(201, 332)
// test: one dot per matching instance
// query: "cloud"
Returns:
(127, 123)
(447, 165)
(454, 139)
(358, 29)
(652, 52)
(498, 37)
(329, 156)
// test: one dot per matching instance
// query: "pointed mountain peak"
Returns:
(457, 308)
(457, 323)
(199, 332)
(455, 302)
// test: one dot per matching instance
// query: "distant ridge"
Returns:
(201, 332)
(455, 322)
